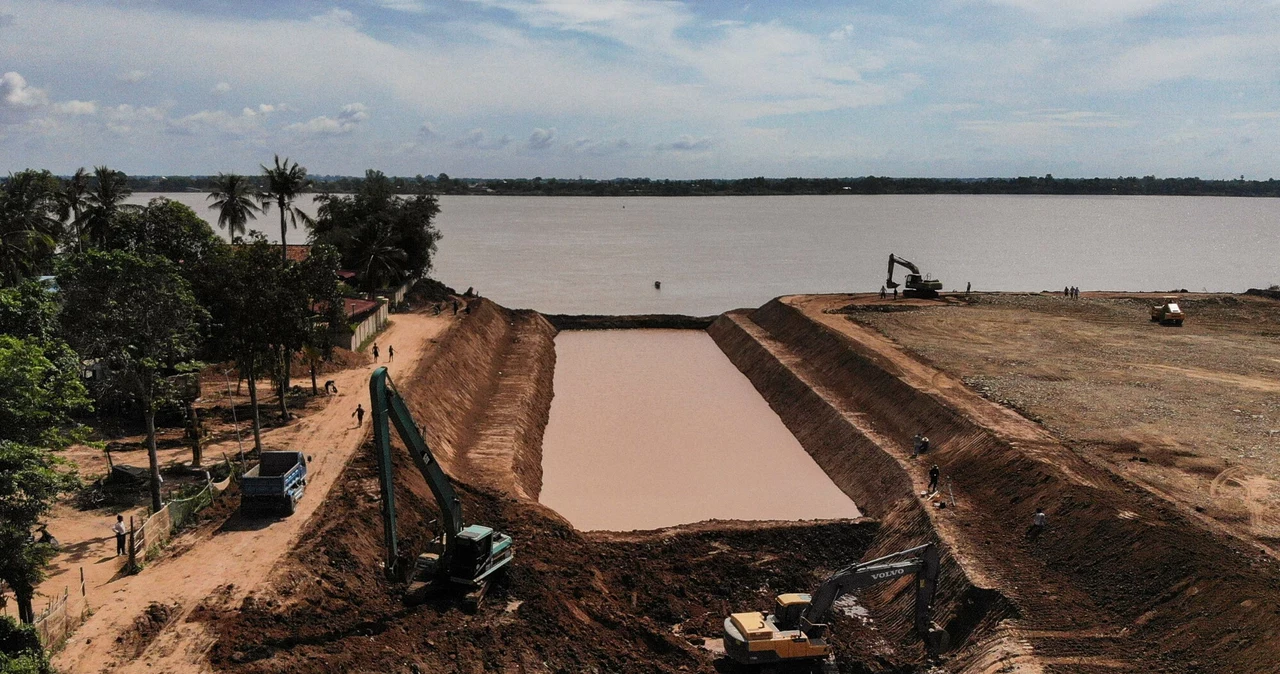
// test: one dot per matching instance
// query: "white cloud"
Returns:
(16, 93)
(1219, 57)
(687, 143)
(133, 76)
(1253, 116)
(124, 118)
(76, 108)
(221, 87)
(599, 148)
(1083, 12)
(410, 6)
(428, 130)
(479, 139)
(842, 33)
(541, 139)
(347, 120)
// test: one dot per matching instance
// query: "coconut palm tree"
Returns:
(285, 181)
(382, 261)
(106, 199)
(73, 202)
(29, 228)
(235, 203)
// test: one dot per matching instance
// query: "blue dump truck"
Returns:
(275, 485)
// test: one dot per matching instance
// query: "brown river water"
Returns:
(601, 255)
(653, 428)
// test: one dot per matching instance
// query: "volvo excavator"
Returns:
(916, 285)
(796, 633)
(463, 556)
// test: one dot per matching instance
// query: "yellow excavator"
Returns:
(916, 284)
(795, 633)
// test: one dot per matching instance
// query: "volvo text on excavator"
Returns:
(915, 284)
(464, 556)
(797, 630)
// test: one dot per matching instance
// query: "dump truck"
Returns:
(916, 285)
(1167, 312)
(274, 485)
(795, 633)
(466, 557)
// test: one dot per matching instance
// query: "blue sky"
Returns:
(609, 88)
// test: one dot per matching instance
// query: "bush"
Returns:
(20, 650)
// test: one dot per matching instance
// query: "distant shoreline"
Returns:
(869, 185)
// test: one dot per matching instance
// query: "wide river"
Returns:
(602, 255)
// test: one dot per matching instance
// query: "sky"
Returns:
(628, 88)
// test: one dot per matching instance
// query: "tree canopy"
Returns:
(29, 225)
(384, 237)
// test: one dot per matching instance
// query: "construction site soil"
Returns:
(1123, 579)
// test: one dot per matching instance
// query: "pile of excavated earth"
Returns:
(1126, 578)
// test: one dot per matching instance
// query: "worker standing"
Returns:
(882, 292)
(375, 352)
(933, 478)
(359, 415)
(119, 530)
(917, 443)
(967, 287)
(391, 353)
(895, 293)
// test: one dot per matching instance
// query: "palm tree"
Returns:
(235, 197)
(285, 181)
(73, 202)
(382, 261)
(28, 227)
(106, 199)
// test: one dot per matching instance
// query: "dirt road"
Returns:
(236, 556)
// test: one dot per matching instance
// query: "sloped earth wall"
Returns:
(1119, 581)
(635, 602)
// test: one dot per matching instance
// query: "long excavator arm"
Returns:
(922, 560)
(893, 259)
(389, 408)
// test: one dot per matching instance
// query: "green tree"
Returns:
(30, 481)
(105, 200)
(29, 226)
(235, 201)
(73, 203)
(39, 395)
(385, 237)
(165, 228)
(20, 649)
(137, 316)
(29, 309)
(285, 182)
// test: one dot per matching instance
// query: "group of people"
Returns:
(1071, 291)
(920, 445)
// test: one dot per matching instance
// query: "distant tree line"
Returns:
(619, 187)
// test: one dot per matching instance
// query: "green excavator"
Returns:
(463, 556)
(916, 284)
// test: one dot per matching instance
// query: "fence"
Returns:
(62, 616)
(395, 296)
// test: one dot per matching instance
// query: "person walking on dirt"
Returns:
(1038, 522)
(455, 307)
(119, 530)
(391, 353)
(917, 443)
(375, 352)
(882, 292)
(933, 478)
(967, 287)
(359, 415)
(895, 293)
(1066, 291)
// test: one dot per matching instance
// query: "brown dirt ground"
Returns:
(1191, 413)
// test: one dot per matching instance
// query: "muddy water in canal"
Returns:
(652, 428)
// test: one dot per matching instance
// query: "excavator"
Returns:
(795, 634)
(463, 556)
(916, 285)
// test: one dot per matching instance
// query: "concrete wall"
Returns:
(370, 326)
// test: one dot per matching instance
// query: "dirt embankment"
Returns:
(571, 602)
(847, 444)
(1120, 579)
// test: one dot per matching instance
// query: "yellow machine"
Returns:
(796, 631)
(1167, 312)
